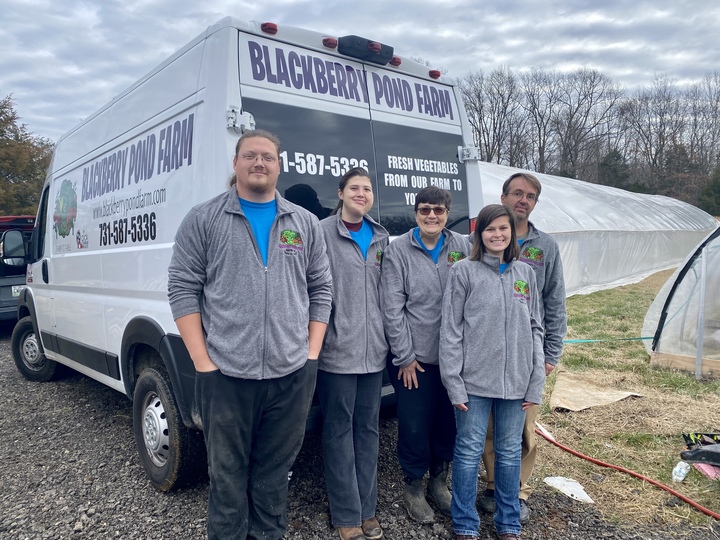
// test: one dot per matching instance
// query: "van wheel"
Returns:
(28, 355)
(173, 455)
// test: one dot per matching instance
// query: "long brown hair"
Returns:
(486, 216)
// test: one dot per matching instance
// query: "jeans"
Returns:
(527, 459)
(508, 420)
(253, 432)
(351, 439)
(426, 423)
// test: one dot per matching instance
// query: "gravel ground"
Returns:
(69, 469)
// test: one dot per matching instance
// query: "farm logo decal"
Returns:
(65, 209)
(521, 290)
(455, 256)
(291, 240)
(533, 256)
(378, 258)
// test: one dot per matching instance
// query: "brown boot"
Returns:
(371, 529)
(351, 533)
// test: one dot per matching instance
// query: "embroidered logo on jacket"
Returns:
(533, 256)
(455, 256)
(378, 258)
(291, 240)
(521, 289)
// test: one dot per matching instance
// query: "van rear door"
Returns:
(333, 113)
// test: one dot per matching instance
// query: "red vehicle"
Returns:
(12, 270)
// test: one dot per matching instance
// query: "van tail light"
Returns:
(269, 28)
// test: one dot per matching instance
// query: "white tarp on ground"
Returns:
(607, 236)
(684, 318)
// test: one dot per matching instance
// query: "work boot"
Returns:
(487, 501)
(350, 533)
(437, 487)
(524, 512)
(415, 503)
(371, 529)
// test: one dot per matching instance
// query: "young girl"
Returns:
(352, 360)
(491, 360)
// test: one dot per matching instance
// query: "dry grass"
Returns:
(640, 434)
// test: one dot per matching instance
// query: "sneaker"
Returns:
(524, 512)
(487, 501)
(371, 529)
(509, 536)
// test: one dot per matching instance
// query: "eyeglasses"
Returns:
(520, 194)
(437, 210)
(266, 158)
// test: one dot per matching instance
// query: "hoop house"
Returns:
(607, 236)
(684, 319)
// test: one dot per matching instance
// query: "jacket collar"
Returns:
(232, 203)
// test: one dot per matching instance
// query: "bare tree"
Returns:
(656, 117)
(492, 103)
(585, 103)
(541, 95)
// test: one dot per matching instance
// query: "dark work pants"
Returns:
(253, 433)
(351, 438)
(426, 422)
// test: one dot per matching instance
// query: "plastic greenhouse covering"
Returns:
(684, 319)
(607, 236)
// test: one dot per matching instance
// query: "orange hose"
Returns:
(631, 473)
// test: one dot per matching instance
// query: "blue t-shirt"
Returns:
(434, 252)
(363, 237)
(503, 267)
(261, 217)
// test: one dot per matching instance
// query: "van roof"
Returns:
(289, 34)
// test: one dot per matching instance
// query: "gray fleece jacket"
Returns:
(491, 334)
(541, 252)
(412, 288)
(255, 318)
(355, 339)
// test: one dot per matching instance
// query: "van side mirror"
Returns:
(12, 248)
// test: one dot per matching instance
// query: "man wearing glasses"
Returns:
(250, 290)
(521, 193)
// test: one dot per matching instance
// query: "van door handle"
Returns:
(45, 277)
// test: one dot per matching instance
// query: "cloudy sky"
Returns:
(63, 60)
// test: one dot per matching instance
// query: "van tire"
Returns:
(172, 455)
(28, 354)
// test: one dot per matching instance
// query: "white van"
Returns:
(121, 182)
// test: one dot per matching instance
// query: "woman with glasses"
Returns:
(351, 363)
(415, 269)
(491, 360)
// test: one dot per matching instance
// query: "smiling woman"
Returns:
(349, 382)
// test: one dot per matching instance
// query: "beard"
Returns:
(260, 185)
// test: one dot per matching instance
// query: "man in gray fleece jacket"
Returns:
(538, 249)
(250, 290)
